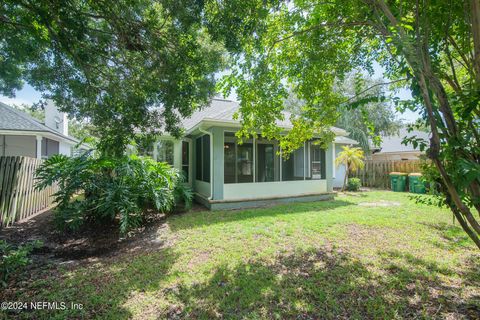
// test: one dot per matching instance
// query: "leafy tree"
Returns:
(352, 158)
(365, 121)
(114, 63)
(83, 130)
(431, 47)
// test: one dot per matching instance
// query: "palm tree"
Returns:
(352, 158)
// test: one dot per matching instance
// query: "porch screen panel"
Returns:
(50, 147)
(185, 160)
(239, 160)
(294, 167)
(265, 162)
(202, 158)
(245, 162)
(229, 162)
(317, 162)
(198, 158)
(206, 157)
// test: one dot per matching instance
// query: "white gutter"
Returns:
(45, 134)
(211, 160)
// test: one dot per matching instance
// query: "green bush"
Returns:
(353, 184)
(13, 259)
(123, 188)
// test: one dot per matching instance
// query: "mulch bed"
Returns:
(88, 243)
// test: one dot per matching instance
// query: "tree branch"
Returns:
(315, 27)
(373, 86)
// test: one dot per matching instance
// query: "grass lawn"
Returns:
(367, 255)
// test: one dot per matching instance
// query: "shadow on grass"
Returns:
(206, 218)
(422, 279)
(453, 235)
(103, 288)
(326, 284)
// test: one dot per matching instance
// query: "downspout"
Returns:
(211, 160)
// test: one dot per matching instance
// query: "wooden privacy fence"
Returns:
(375, 173)
(19, 199)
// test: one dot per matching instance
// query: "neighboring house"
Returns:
(225, 174)
(23, 135)
(392, 147)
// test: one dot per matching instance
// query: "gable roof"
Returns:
(394, 143)
(222, 111)
(12, 119)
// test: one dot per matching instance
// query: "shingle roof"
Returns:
(219, 109)
(16, 120)
(344, 140)
(223, 110)
(394, 143)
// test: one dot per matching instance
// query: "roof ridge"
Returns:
(40, 126)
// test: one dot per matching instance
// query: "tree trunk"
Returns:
(347, 169)
(418, 59)
(475, 9)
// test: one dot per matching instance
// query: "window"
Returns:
(185, 160)
(317, 162)
(165, 151)
(294, 167)
(202, 155)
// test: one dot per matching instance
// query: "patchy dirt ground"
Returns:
(86, 244)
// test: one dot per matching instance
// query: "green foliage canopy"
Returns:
(114, 63)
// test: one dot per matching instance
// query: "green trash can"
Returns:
(398, 181)
(415, 183)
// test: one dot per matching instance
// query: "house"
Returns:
(392, 147)
(23, 135)
(225, 174)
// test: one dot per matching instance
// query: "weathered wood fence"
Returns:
(375, 173)
(19, 199)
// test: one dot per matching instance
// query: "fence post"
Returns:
(19, 199)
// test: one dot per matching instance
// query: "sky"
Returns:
(29, 95)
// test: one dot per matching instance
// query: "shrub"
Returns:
(122, 188)
(353, 184)
(13, 259)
